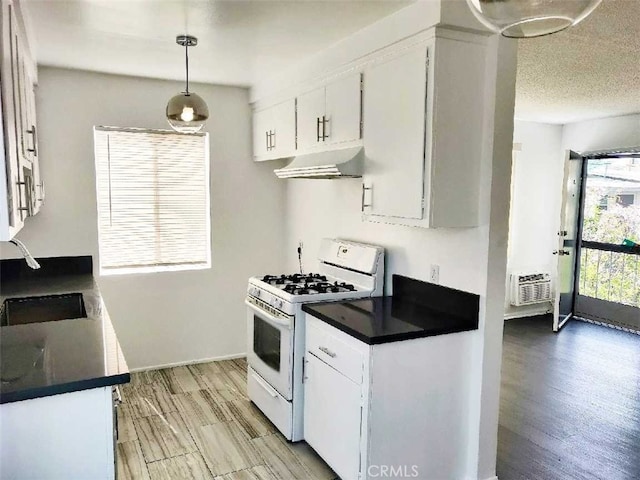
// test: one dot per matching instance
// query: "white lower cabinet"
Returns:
(333, 416)
(394, 410)
(67, 436)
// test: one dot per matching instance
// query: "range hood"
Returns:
(346, 162)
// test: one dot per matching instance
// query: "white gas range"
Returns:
(276, 324)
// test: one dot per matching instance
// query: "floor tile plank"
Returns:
(250, 418)
(131, 464)
(225, 448)
(163, 436)
(188, 467)
(126, 429)
(203, 407)
(280, 459)
(260, 472)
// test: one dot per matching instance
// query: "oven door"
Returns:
(270, 341)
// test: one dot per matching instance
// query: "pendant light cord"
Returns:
(186, 61)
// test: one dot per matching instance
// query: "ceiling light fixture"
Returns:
(187, 111)
(530, 18)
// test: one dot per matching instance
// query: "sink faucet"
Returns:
(27, 256)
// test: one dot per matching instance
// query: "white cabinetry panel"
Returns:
(332, 417)
(22, 190)
(423, 134)
(66, 436)
(274, 131)
(342, 111)
(310, 114)
(394, 114)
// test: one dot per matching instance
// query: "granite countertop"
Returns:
(61, 356)
(416, 310)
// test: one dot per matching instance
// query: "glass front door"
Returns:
(609, 270)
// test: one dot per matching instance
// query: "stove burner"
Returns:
(295, 278)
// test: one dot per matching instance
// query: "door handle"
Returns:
(562, 252)
(318, 129)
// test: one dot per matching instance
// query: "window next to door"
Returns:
(153, 200)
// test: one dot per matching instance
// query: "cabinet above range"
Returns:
(416, 109)
(21, 185)
(324, 118)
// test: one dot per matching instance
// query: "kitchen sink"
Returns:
(47, 308)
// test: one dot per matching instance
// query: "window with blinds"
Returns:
(153, 200)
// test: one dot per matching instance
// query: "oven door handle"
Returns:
(272, 319)
(268, 388)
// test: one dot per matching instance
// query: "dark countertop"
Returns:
(62, 356)
(416, 311)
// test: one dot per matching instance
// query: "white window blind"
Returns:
(153, 200)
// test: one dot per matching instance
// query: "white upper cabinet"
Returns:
(274, 131)
(423, 124)
(394, 112)
(329, 116)
(21, 186)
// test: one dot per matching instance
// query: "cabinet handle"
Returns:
(325, 120)
(28, 186)
(318, 129)
(362, 204)
(273, 137)
(34, 139)
(327, 351)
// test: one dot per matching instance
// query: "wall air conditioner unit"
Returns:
(528, 288)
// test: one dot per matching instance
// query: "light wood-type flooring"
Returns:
(196, 422)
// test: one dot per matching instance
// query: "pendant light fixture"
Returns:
(530, 18)
(187, 111)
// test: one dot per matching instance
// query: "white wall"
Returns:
(535, 196)
(602, 134)
(171, 317)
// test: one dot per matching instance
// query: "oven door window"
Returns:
(266, 342)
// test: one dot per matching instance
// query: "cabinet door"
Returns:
(284, 126)
(11, 218)
(310, 113)
(261, 125)
(342, 110)
(394, 135)
(333, 417)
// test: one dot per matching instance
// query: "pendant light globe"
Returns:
(530, 18)
(187, 111)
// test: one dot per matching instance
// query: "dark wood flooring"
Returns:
(570, 402)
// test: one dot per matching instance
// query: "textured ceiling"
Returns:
(240, 41)
(589, 71)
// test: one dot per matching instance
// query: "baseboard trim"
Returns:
(531, 313)
(188, 362)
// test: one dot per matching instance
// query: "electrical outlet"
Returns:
(435, 273)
